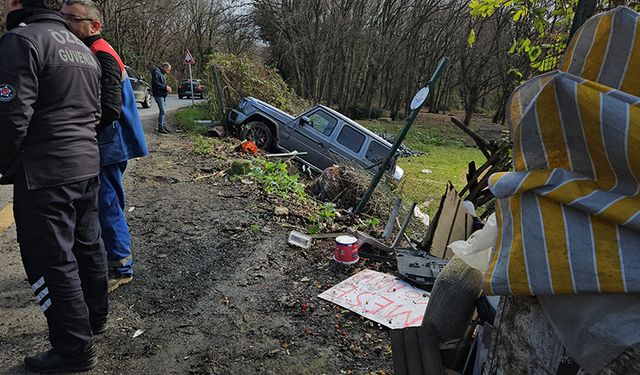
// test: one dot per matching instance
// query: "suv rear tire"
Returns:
(146, 103)
(259, 133)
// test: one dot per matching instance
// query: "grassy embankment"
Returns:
(445, 152)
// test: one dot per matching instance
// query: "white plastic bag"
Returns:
(476, 250)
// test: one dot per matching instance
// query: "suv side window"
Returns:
(376, 152)
(351, 138)
(323, 123)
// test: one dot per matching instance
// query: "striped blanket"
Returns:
(569, 215)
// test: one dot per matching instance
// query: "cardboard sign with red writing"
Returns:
(383, 298)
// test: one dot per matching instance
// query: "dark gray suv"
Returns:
(327, 136)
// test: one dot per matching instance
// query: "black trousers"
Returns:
(64, 258)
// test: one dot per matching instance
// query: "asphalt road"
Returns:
(6, 192)
(172, 103)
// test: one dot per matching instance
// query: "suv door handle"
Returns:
(321, 144)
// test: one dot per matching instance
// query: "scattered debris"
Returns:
(281, 211)
(403, 150)
(419, 267)
(427, 171)
(289, 154)
(249, 147)
(138, 333)
(383, 298)
(131, 209)
(346, 250)
(300, 239)
(424, 218)
(451, 223)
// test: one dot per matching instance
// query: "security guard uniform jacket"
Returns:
(55, 145)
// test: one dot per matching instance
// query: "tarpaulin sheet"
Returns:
(569, 215)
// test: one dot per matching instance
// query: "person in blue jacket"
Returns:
(120, 138)
(160, 89)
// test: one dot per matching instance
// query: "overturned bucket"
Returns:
(346, 250)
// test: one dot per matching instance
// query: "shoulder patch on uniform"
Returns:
(7, 92)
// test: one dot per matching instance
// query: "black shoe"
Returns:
(50, 362)
(163, 131)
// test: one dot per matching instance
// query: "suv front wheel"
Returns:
(259, 133)
(147, 101)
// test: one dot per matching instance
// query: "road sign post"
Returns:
(188, 59)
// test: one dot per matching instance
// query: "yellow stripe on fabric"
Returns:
(597, 54)
(515, 110)
(568, 55)
(621, 211)
(633, 134)
(589, 105)
(631, 81)
(556, 241)
(628, 207)
(551, 129)
(518, 155)
(607, 256)
(518, 277)
(534, 180)
(495, 253)
(573, 190)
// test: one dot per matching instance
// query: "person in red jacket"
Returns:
(120, 137)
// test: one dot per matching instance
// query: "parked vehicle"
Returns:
(141, 88)
(327, 136)
(199, 89)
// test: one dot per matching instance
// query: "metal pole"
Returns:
(392, 219)
(396, 243)
(193, 96)
(407, 125)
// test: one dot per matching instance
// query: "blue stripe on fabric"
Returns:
(582, 48)
(580, 246)
(634, 222)
(567, 97)
(629, 243)
(534, 246)
(619, 50)
(531, 141)
(623, 96)
(560, 177)
(615, 129)
(508, 184)
(500, 278)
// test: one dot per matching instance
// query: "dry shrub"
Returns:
(345, 185)
(239, 77)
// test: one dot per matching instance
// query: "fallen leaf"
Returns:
(138, 333)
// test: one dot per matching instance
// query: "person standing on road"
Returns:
(120, 137)
(49, 109)
(160, 89)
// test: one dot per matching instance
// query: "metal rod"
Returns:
(404, 225)
(407, 125)
(193, 96)
(392, 218)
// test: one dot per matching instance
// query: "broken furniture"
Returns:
(445, 328)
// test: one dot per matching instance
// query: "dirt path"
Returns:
(216, 289)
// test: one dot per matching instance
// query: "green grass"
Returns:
(444, 153)
(186, 118)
